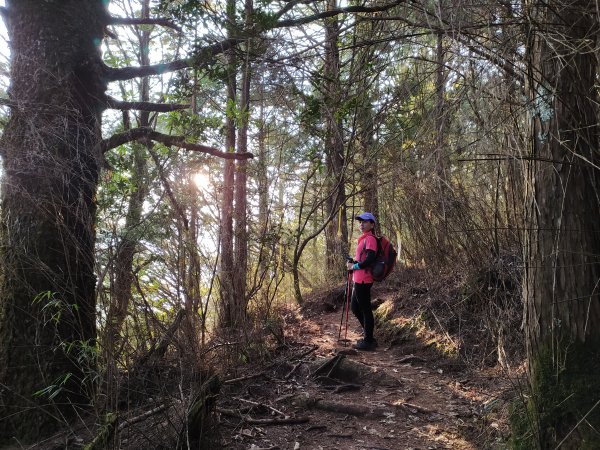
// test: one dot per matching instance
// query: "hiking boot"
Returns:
(372, 342)
(365, 345)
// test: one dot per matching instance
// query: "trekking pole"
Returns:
(343, 307)
(347, 306)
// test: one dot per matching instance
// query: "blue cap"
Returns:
(366, 216)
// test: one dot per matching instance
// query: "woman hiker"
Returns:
(366, 253)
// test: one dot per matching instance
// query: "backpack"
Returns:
(384, 260)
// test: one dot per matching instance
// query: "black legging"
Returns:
(361, 308)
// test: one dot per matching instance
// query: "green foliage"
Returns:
(311, 113)
(59, 385)
(264, 19)
(182, 10)
(54, 308)
(195, 126)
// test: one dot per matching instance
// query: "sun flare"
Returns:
(201, 180)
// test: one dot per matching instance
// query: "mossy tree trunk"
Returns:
(47, 301)
(563, 247)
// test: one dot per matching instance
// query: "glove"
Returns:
(355, 266)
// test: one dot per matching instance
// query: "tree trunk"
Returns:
(336, 234)
(226, 273)
(47, 289)
(563, 248)
(241, 176)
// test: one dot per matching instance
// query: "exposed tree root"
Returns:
(306, 401)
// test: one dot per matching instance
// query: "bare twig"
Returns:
(144, 416)
(263, 405)
(284, 421)
(291, 372)
(144, 21)
(336, 12)
(279, 421)
(245, 378)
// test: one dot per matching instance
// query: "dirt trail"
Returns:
(386, 399)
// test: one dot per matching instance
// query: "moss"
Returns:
(565, 388)
(521, 426)
(105, 434)
(388, 328)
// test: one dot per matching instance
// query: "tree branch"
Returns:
(127, 73)
(335, 12)
(113, 103)
(176, 141)
(147, 21)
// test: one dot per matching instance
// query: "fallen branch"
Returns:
(291, 372)
(410, 358)
(247, 419)
(308, 352)
(413, 407)
(263, 405)
(283, 421)
(237, 413)
(247, 377)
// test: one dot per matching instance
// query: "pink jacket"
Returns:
(364, 275)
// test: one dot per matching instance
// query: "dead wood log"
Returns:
(198, 431)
